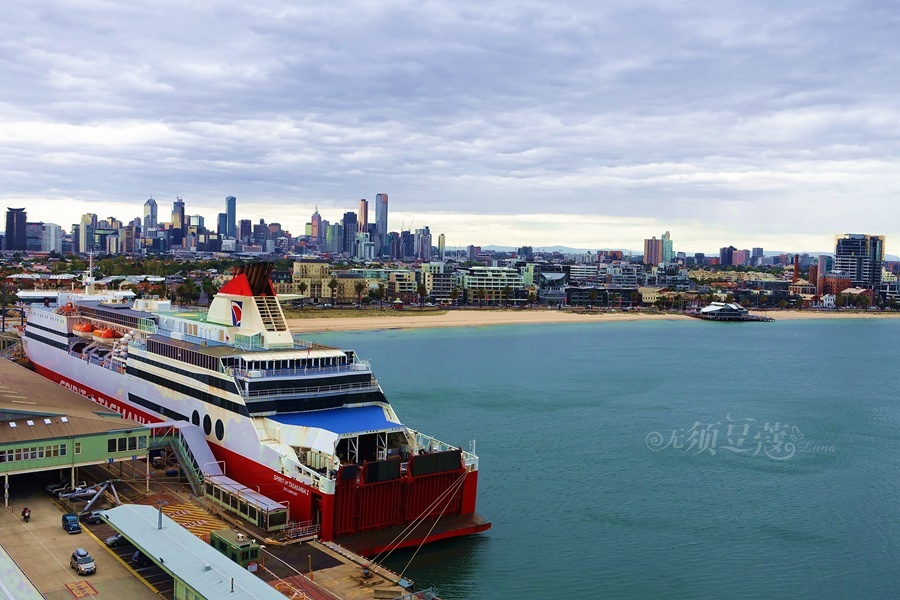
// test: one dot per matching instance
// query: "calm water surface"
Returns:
(661, 459)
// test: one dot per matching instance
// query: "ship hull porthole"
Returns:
(207, 424)
(220, 430)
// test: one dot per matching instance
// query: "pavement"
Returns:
(42, 549)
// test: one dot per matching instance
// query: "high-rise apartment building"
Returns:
(51, 237)
(150, 214)
(178, 221)
(231, 216)
(362, 223)
(222, 224)
(245, 229)
(668, 254)
(15, 229)
(860, 257)
(653, 251)
(442, 245)
(726, 255)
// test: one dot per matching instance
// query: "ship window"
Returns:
(62, 449)
(122, 444)
(111, 445)
(77, 447)
(132, 443)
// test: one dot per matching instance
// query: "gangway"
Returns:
(207, 477)
(93, 492)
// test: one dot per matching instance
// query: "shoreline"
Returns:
(487, 318)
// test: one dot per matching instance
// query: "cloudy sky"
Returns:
(582, 123)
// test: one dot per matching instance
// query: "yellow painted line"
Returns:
(119, 558)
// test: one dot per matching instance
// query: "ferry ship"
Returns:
(304, 424)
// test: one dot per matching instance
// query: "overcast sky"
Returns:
(588, 124)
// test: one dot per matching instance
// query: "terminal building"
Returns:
(45, 427)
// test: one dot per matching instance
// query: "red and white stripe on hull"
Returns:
(123, 408)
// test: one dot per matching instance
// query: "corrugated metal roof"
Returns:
(207, 571)
(26, 396)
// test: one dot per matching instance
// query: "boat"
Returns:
(302, 423)
(83, 330)
(106, 336)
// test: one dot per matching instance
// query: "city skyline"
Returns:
(541, 124)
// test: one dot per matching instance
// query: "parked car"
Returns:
(56, 485)
(139, 559)
(80, 486)
(82, 562)
(65, 488)
(114, 541)
(93, 517)
(70, 523)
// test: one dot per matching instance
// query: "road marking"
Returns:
(81, 589)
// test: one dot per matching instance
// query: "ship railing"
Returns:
(312, 389)
(430, 444)
(300, 529)
(303, 372)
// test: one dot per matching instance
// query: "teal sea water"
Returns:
(661, 459)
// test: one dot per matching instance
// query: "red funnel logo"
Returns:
(236, 313)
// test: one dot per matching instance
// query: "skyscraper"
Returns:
(381, 222)
(231, 219)
(86, 229)
(15, 229)
(860, 256)
(150, 208)
(316, 232)
(222, 224)
(362, 222)
(442, 241)
(351, 228)
(667, 253)
(653, 251)
(178, 221)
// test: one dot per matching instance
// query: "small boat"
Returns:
(85, 330)
(106, 336)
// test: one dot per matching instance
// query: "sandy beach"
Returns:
(484, 318)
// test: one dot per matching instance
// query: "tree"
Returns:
(504, 294)
(187, 292)
(302, 287)
(531, 298)
(332, 285)
(359, 287)
(454, 294)
(379, 295)
(209, 288)
(421, 291)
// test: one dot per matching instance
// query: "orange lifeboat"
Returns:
(106, 336)
(85, 330)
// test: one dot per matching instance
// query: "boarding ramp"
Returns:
(207, 478)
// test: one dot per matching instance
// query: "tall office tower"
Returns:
(245, 230)
(441, 246)
(757, 252)
(351, 227)
(51, 238)
(231, 216)
(407, 246)
(15, 228)
(726, 255)
(222, 224)
(740, 257)
(362, 222)
(861, 257)
(86, 229)
(178, 221)
(334, 238)
(316, 232)
(653, 251)
(150, 209)
(667, 253)
(381, 221)
(196, 221)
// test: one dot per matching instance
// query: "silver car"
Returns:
(82, 562)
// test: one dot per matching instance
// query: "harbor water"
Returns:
(660, 459)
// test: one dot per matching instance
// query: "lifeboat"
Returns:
(106, 336)
(85, 330)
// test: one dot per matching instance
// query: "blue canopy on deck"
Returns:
(342, 421)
